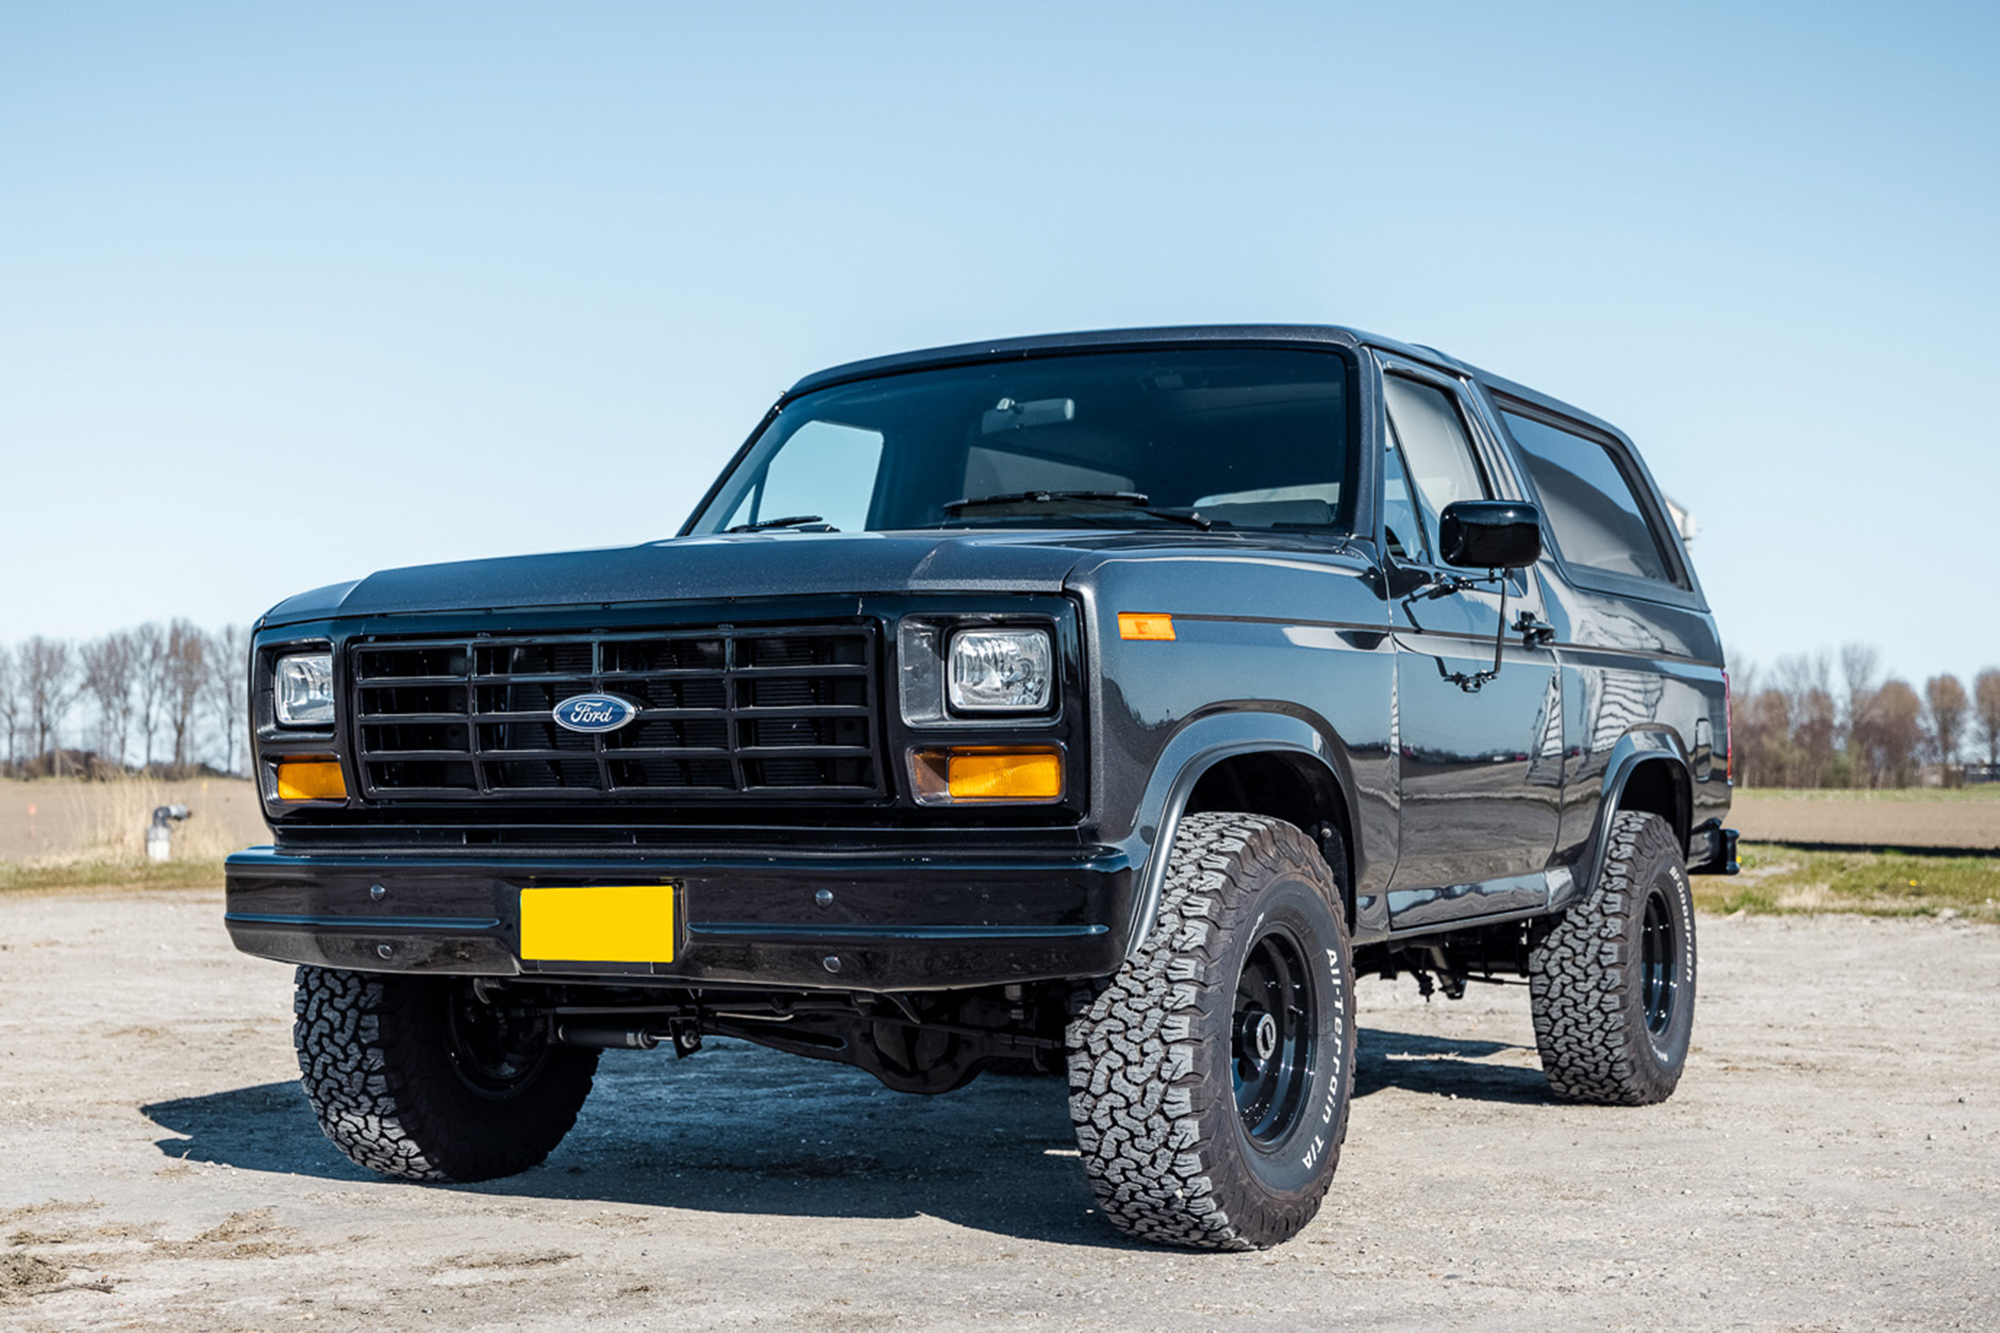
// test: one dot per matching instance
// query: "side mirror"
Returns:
(1490, 534)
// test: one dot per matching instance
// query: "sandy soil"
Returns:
(1832, 1161)
(1895, 819)
(57, 817)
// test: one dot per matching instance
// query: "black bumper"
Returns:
(887, 924)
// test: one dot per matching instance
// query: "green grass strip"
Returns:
(1781, 880)
(29, 877)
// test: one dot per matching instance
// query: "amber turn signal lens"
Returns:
(987, 773)
(1134, 626)
(311, 780)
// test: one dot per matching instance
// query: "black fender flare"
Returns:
(1197, 747)
(1635, 749)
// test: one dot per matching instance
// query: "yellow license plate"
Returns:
(621, 923)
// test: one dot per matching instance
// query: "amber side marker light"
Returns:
(1132, 625)
(311, 780)
(987, 773)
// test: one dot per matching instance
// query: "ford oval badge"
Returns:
(595, 712)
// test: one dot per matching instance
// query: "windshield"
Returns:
(1192, 439)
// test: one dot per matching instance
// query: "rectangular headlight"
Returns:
(304, 686)
(1000, 671)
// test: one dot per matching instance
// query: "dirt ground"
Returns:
(1968, 819)
(1832, 1161)
(65, 816)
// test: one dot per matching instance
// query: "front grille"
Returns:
(784, 712)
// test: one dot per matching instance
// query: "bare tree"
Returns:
(49, 687)
(1890, 735)
(1946, 705)
(1860, 672)
(1986, 706)
(109, 665)
(1807, 684)
(10, 705)
(149, 649)
(229, 690)
(188, 653)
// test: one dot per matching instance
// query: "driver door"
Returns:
(1480, 760)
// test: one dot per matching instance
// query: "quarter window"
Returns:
(1590, 501)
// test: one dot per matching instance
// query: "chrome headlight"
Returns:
(304, 689)
(1000, 671)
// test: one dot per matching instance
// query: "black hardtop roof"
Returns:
(1242, 335)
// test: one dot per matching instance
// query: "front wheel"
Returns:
(1612, 984)
(1209, 1081)
(419, 1078)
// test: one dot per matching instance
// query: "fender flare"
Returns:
(1192, 751)
(1641, 745)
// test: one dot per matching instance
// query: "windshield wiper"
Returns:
(794, 521)
(1131, 500)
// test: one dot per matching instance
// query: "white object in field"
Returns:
(160, 833)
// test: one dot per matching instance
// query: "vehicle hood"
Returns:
(711, 568)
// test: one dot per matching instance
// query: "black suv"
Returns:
(1094, 705)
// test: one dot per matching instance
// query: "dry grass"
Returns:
(108, 822)
(84, 834)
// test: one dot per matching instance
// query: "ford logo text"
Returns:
(595, 712)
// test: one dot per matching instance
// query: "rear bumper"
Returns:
(1712, 851)
(888, 924)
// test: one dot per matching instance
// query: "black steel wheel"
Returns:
(1274, 1037)
(1612, 984)
(1209, 1079)
(421, 1079)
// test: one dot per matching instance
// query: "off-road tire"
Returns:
(1155, 1056)
(1613, 1009)
(395, 1085)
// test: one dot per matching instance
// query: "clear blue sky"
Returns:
(289, 293)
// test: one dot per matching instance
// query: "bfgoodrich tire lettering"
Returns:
(415, 1078)
(1612, 985)
(1209, 1081)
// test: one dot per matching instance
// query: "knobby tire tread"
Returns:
(1138, 1073)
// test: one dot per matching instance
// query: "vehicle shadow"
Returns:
(739, 1129)
(1446, 1067)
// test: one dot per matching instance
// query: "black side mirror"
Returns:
(1490, 534)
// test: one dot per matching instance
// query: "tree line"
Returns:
(1829, 719)
(170, 698)
(166, 699)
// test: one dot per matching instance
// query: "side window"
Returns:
(826, 469)
(1436, 455)
(1400, 529)
(1592, 506)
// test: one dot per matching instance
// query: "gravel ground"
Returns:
(1830, 1162)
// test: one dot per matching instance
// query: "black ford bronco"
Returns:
(1095, 705)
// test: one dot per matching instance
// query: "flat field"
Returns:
(1968, 818)
(1830, 1162)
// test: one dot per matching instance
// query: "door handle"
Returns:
(1534, 633)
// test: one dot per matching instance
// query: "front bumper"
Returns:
(887, 923)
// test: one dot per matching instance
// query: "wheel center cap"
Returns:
(1264, 1036)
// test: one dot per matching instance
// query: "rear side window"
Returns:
(1591, 503)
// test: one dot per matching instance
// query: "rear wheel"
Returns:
(421, 1079)
(1612, 985)
(1209, 1080)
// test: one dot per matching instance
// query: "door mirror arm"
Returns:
(1472, 683)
